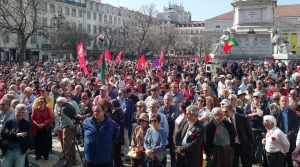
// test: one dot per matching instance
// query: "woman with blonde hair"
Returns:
(141, 108)
(209, 103)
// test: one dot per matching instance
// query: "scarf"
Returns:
(140, 135)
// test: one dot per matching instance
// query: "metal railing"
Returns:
(72, 3)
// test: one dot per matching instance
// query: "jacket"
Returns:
(193, 142)
(38, 117)
(98, 143)
(130, 109)
(256, 121)
(296, 156)
(293, 126)
(24, 126)
(210, 135)
(67, 114)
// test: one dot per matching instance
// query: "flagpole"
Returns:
(242, 51)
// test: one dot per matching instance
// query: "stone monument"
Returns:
(253, 28)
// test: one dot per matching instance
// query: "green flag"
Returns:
(103, 69)
(230, 44)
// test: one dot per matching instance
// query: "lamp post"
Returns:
(123, 31)
(58, 22)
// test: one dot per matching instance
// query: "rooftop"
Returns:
(281, 11)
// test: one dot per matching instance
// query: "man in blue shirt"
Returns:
(111, 93)
(288, 123)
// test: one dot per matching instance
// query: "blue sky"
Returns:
(200, 9)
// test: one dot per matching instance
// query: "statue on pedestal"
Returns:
(223, 40)
(281, 45)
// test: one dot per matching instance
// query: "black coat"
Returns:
(24, 126)
(292, 123)
(193, 142)
(210, 135)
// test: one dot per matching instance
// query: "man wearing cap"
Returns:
(103, 95)
(49, 100)
(221, 84)
(154, 97)
(120, 83)
(287, 122)
(255, 111)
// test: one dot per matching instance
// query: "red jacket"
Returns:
(40, 116)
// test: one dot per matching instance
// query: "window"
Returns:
(6, 39)
(44, 7)
(100, 17)
(94, 29)
(192, 31)
(95, 16)
(74, 12)
(110, 19)
(196, 31)
(44, 22)
(95, 6)
(99, 7)
(33, 39)
(88, 28)
(88, 5)
(218, 26)
(67, 12)
(100, 29)
(181, 31)
(79, 13)
(59, 9)
(88, 15)
(105, 19)
(80, 26)
(74, 25)
(52, 8)
(115, 20)
(119, 21)
(5, 1)
(110, 11)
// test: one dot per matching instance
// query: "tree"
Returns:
(20, 19)
(143, 21)
(69, 37)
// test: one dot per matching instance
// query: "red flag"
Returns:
(80, 53)
(100, 60)
(141, 63)
(107, 55)
(161, 59)
(119, 58)
(208, 58)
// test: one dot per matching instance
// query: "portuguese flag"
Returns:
(207, 56)
(230, 44)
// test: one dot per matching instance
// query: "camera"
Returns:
(77, 119)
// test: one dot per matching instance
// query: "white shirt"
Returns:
(187, 133)
(236, 139)
(120, 84)
(276, 141)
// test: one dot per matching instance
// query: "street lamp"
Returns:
(58, 22)
(123, 31)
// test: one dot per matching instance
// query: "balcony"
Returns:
(72, 3)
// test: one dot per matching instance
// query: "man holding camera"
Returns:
(67, 113)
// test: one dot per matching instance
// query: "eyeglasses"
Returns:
(201, 100)
(153, 121)
(256, 97)
(219, 114)
(175, 87)
(41, 102)
(134, 92)
(275, 99)
(151, 107)
(154, 90)
(142, 121)
(139, 106)
(68, 95)
(231, 99)
(84, 98)
(120, 94)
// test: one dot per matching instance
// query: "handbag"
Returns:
(132, 154)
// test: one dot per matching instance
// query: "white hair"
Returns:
(232, 96)
(215, 110)
(270, 119)
(61, 100)
(227, 82)
(194, 109)
(78, 86)
(295, 75)
(20, 107)
(15, 102)
(29, 90)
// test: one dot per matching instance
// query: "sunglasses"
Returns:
(68, 95)
(139, 106)
(142, 121)
(275, 99)
(154, 90)
(41, 102)
(153, 121)
(255, 97)
(201, 100)
(84, 98)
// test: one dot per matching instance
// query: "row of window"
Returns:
(190, 31)
(60, 10)
(192, 25)
(6, 39)
(105, 18)
(109, 9)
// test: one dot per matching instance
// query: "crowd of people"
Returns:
(245, 113)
